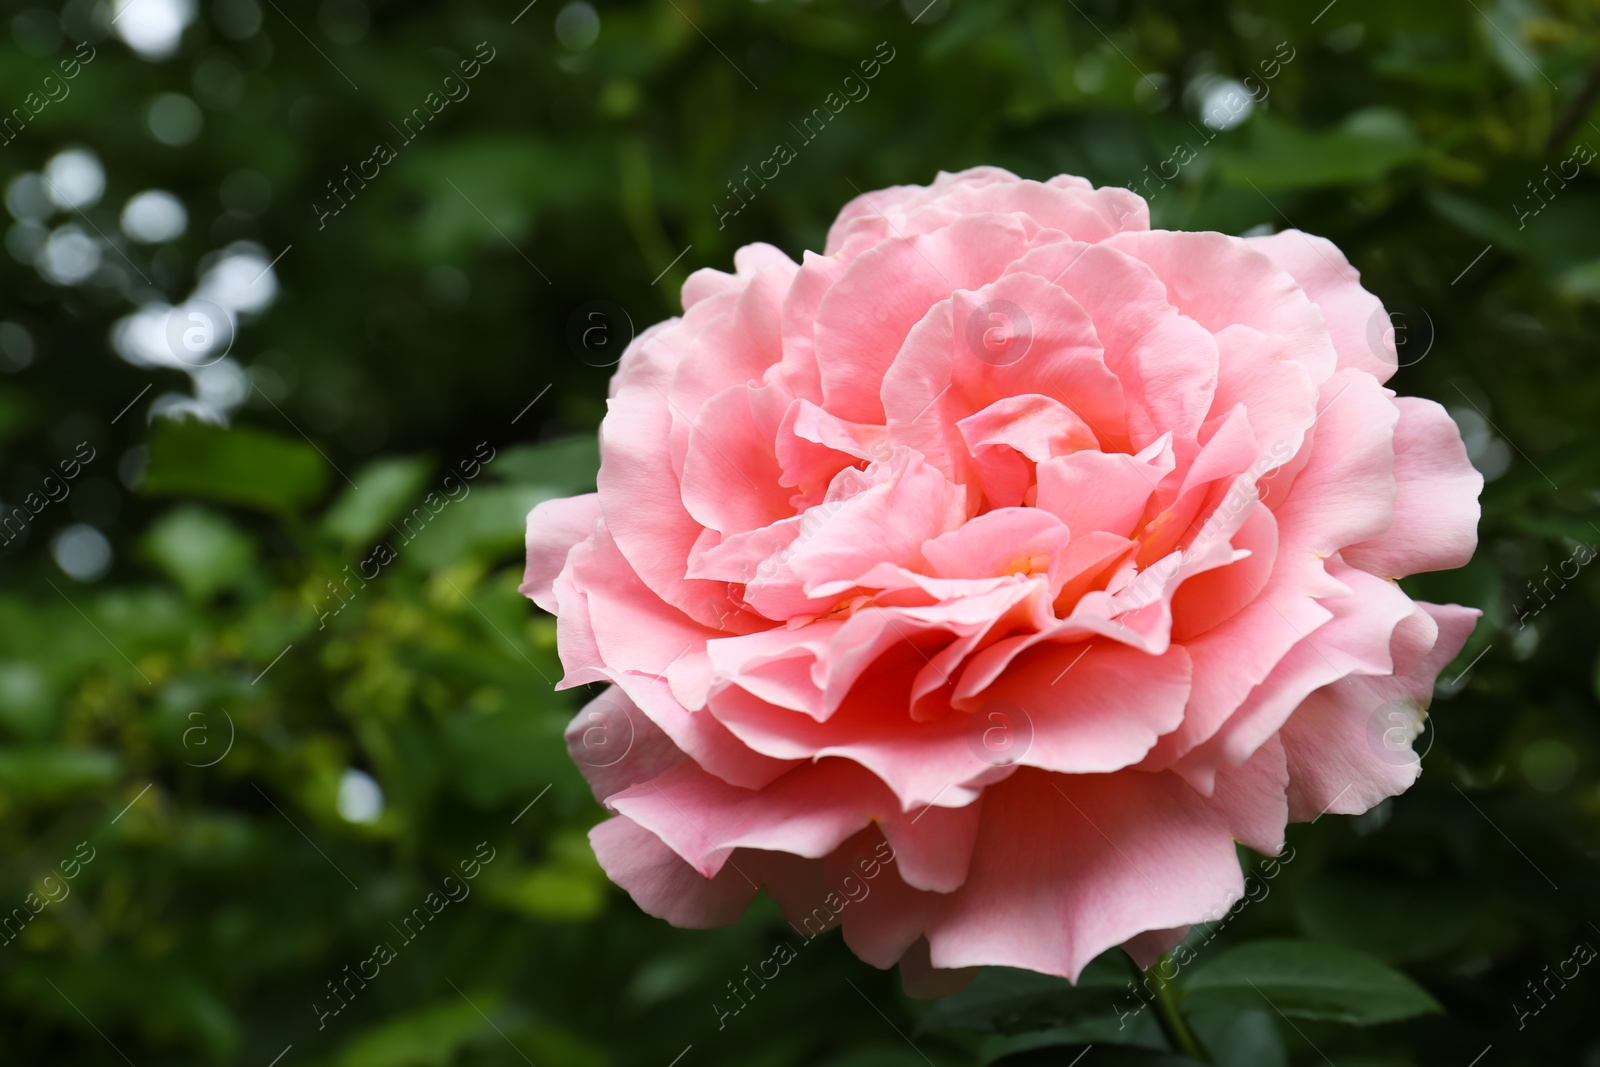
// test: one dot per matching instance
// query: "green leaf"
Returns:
(498, 756)
(50, 773)
(1102, 1028)
(1366, 146)
(200, 550)
(880, 1055)
(1008, 1001)
(568, 464)
(1306, 980)
(1000, 1052)
(26, 702)
(505, 181)
(1581, 282)
(383, 489)
(569, 886)
(237, 466)
(1476, 219)
(1379, 915)
(491, 520)
(1241, 1038)
(429, 1037)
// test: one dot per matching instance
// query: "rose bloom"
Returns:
(1043, 553)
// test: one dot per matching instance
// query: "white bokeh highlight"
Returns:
(82, 552)
(154, 216)
(68, 257)
(152, 28)
(74, 179)
(360, 797)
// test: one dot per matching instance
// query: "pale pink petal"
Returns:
(643, 506)
(812, 665)
(1208, 600)
(813, 446)
(800, 887)
(1147, 948)
(1233, 657)
(1009, 436)
(1086, 565)
(1253, 798)
(736, 335)
(883, 514)
(1435, 523)
(1360, 328)
(1081, 212)
(1259, 293)
(1356, 641)
(1067, 866)
(788, 668)
(1105, 491)
(922, 762)
(866, 315)
(798, 370)
(1349, 744)
(1024, 334)
(662, 884)
(730, 475)
(872, 217)
(1079, 714)
(810, 811)
(633, 630)
(553, 528)
(709, 743)
(1167, 362)
(1345, 493)
(1019, 335)
(616, 745)
(889, 918)
(1005, 541)
(1256, 371)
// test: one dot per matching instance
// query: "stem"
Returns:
(1171, 1021)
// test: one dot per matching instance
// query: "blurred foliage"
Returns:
(274, 739)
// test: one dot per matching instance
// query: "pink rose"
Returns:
(1017, 552)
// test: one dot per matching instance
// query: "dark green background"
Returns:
(427, 316)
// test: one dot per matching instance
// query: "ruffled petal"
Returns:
(1357, 323)
(554, 527)
(1349, 744)
(1435, 525)
(662, 884)
(810, 812)
(616, 745)
(1067, 866)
